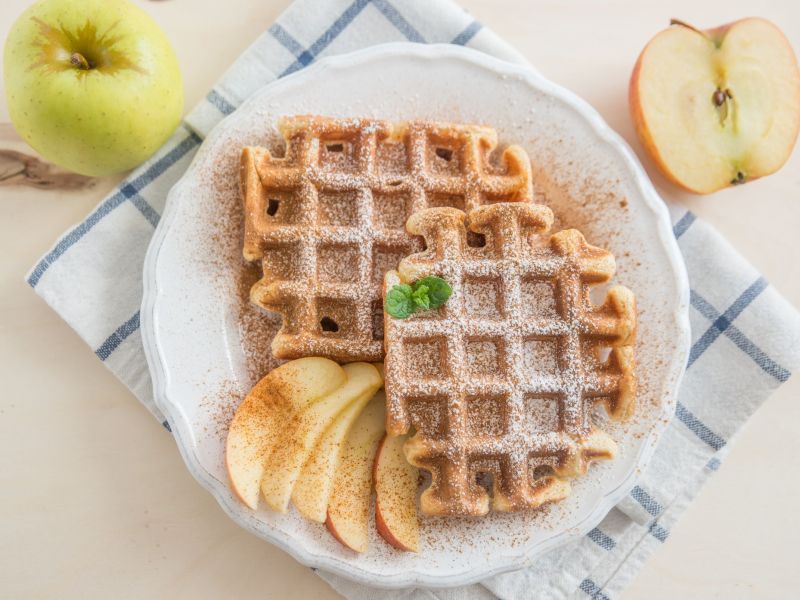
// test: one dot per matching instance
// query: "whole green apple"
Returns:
(92, 85)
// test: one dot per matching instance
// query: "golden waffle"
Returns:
(327, 219)
(501, 381)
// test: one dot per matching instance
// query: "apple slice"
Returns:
(348, 508)
(396, 484)
(300, 435)
(260, 419)
(718, 107)
(315, 483)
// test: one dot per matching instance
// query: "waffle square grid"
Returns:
(327, 218)
(501, 381)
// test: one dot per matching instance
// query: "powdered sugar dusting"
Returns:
(337, 202)
(580, 175)
(491, 425)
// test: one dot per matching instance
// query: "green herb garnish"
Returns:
(428, 293)
(399, 302)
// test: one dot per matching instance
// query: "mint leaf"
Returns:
(404, 300)
(437, 290)
(420, 297)
(399, 302)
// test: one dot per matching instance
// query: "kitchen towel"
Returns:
(745, 337)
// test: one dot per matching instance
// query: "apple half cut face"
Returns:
(718, 107)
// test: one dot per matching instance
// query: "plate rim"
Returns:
(246, 518)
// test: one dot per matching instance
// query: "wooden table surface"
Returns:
(96, 501)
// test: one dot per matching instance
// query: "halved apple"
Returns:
(301, 434)
(718, 107)
(348, 508)
(396, 484)
(260, 420)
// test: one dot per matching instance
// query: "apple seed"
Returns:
(720, 99)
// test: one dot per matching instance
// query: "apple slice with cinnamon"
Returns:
(348, 508)
(261, 418)
(396, 485)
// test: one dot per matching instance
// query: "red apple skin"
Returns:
(386, 534)
(332, 529)
(380, 523)
(639, 123)
(637, 113)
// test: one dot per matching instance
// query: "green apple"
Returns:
(93, 85)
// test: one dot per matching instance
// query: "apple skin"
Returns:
(97, 121)
(331, 527)
(759, 161)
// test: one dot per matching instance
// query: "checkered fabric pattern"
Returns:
(746, 338)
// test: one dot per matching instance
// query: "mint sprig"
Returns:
(421, 298)
(428, 293)
(399, 301)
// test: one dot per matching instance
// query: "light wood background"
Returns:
(96, 501)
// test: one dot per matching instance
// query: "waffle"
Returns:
(327, 218)
(500, 383)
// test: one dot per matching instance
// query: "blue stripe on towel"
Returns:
(149, 213)
(305, 56)
(601, 539)
(223, 106)
(326, 38)
(398, 20)
(469, 32)
(658, 532)
(128, 191)
(287, 40)
(120, 335)
(699, 428)
(742, 342)
(647, 501)
(683, 224)
(593, 590)
(723, 321)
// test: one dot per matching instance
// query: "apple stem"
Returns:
(685, 24)
(79, 60)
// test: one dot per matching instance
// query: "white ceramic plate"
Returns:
(206, 345)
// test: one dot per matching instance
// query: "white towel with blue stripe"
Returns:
(746, 338)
